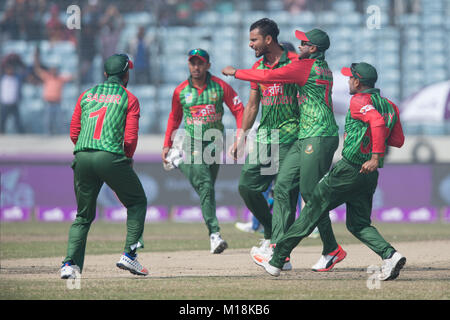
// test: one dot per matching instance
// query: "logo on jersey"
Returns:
(214, 96)
(366, 108)
(273, 90)
(203, 110)
(309, 149)
(237, 100)
(188, 97)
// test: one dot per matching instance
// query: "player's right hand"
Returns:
(228, 71)
(236, 149)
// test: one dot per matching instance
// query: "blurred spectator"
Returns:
(53, 84)
(56, 30)
(88, 39)
(111, 25)
(295, 6)
(10, 91)
(17, 21)
(406, 6)
(184, 13)
(139, 48)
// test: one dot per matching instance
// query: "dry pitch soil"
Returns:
(425, 260)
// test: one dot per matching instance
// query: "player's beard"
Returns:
(304, 55)
(261, 52)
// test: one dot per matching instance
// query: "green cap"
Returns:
(316, 37)
(199, 53)
(365, 72)
(117, 64)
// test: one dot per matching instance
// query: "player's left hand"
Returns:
(164, 154)
(228, 71)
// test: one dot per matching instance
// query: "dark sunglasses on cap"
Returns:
(306, 43)
(199, 52)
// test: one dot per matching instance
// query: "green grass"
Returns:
(33, 239)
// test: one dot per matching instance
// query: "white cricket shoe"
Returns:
(218, 245)
(69, 271)
(391, 267)
(247, 227)
(262, 253)
(327, 262)
(174, 158)
(273, 271)
(131, 264)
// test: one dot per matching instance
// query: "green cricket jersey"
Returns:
(106, 118)
(372, 123)
(314, 82)
(202, 109)
(316, 106)
(279, 105)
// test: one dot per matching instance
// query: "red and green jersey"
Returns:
(314, 80)
(279, 105)
(106, 117)
(202, 109)
(371, 124)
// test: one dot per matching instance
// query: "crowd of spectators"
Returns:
(102, 25)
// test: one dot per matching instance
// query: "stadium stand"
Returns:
(397, 48)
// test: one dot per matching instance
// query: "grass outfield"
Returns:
(39, 248)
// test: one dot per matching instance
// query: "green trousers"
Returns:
(256, 176)
(306, 163)
(203, 178)
(92, 169)
(343, 184)
(201, 168)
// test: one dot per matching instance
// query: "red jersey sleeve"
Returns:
(361, 108)
(232, 100)
(296, 72)
(175, 117)
(75, 123)
(396, 137)
(131, 125)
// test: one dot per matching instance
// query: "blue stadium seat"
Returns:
(328, 17)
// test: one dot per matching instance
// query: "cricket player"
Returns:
(279, 115)
(312, 154)
(371, 124)
(104, 129)
(199, 101)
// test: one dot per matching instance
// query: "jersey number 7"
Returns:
(100, 114)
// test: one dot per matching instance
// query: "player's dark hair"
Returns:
(266, 27)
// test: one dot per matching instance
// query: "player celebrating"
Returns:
(104, 129)
(199, 100)
(372, 123)
(312, 154)
(279, 112)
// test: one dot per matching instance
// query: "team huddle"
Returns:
(297, 131)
